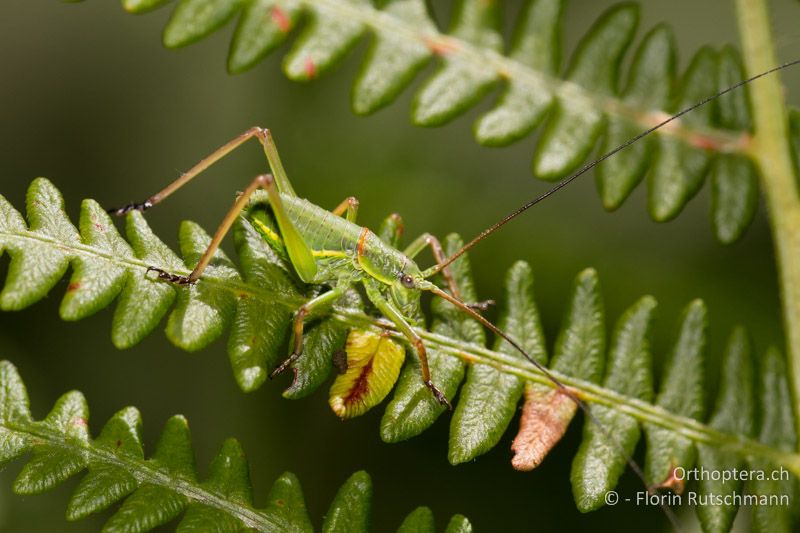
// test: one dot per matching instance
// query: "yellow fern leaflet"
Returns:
(373, 365)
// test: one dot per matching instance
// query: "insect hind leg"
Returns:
(262, 181)
(270, 149)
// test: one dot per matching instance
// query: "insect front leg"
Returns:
(315, 304)
(422, 242)
(425, 240)
(391, 230)
(392, 313)
(270, 149)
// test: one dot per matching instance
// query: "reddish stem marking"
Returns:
(703, 142)
(281, 19)
(311, 68)
(441, 46)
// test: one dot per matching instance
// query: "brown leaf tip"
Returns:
(672, 482)
(546, 415)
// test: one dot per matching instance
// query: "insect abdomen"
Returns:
(321, 229)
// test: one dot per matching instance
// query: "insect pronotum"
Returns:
(328, 248)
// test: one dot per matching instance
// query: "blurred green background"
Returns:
(92, 101)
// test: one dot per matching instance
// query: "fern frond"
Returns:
(257, 304)
(158, 489)
(587, 101)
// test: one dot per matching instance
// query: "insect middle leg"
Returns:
(392, 313)
(320, 302)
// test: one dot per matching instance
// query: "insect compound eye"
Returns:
(407, 281)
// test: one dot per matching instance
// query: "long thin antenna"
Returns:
(559, 385)
(566, 181)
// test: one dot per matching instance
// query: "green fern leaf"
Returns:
(587, 100)
(599, 462)
(194, 19)
(458, 85)
(258, 329)
(141, 6)
(354, 495)
(392, 62)
(581, 344)
(649, 86)
(35, 270)
(266, 292)
(570, 135)
(262, 27)
(681, 392)
(286, 499)
(777, 422)
(489, 397)
(105, 483)
(155, 490)
(536, 44)
(459, 524)
(420, 520)
(678, 171)
(324, 42)
(734, 179)
(735, 412)
(201, 314)
(141, 304)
